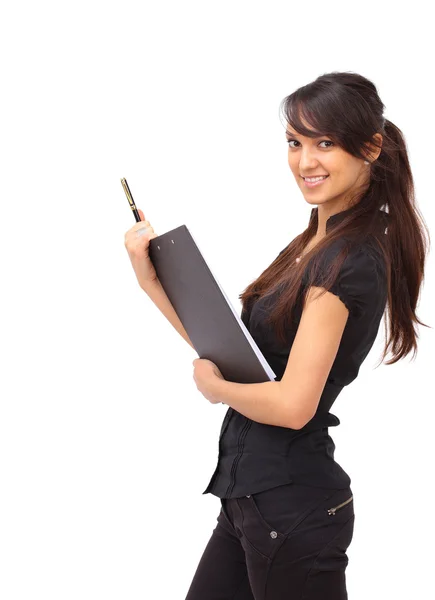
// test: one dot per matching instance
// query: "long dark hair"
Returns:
(346, 107)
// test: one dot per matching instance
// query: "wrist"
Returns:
(216, 389)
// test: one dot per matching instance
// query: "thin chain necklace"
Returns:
(303, 253)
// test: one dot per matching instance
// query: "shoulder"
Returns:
(358, 255)
(360, 282)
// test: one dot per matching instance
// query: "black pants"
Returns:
(280, 544)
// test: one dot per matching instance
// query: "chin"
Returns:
(314, 201)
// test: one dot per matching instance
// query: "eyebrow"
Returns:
(288, 133)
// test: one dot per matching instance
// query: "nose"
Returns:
(307, 161)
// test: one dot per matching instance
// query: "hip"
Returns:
(268, 518)
(284, 506)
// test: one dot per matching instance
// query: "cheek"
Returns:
(293, 164)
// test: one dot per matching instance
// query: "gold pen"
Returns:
(130, 199)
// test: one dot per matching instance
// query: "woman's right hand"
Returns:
(138, 250)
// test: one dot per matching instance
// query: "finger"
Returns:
(132, 237)
(143, 225)
(142, 216)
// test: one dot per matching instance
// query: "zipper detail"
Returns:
(331, 511)
(233, 466)
(241, 441)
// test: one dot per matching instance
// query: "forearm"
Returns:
(261, 402)
(158, 295)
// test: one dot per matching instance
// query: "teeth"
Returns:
(312, 179)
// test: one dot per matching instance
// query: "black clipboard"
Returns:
(214, 327)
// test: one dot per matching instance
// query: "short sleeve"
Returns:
(357, 284)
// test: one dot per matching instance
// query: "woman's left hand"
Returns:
(205, 374)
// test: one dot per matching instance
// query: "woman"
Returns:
(287, 508)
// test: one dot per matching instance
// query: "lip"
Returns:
(315, 184)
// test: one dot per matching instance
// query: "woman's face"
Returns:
(309, 157)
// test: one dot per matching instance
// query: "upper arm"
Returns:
(313, 353)
(320, 330)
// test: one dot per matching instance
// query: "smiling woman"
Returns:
(319, 166)
(287, 515)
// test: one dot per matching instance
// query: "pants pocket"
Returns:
(283, 508)
(327, 575)
(342, 504)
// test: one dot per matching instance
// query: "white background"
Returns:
(105, 443)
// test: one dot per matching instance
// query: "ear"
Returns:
(375, 148)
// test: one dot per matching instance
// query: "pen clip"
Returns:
(128, 193)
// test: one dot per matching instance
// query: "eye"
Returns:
(289, 141)
(327, 142)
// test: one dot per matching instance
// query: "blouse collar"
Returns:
(334, 219)
(338, 217)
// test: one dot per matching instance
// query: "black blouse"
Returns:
(254, 456)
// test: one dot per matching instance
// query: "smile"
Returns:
(315, 183)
